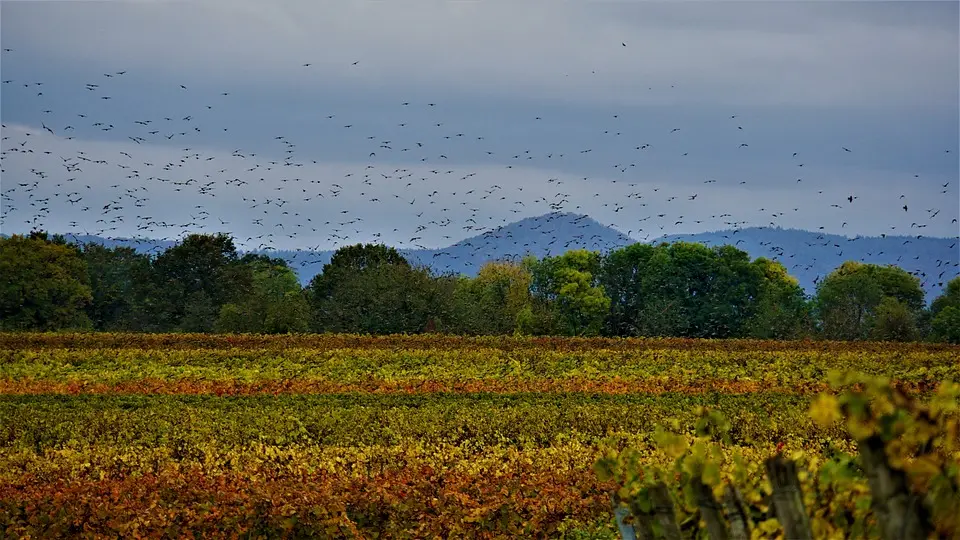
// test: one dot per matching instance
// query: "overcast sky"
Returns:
(666, 117)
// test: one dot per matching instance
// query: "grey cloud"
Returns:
(880, 78)
(813, 53)
(467, 199)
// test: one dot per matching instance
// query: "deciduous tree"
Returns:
(491, 302)
(373, 289)
(120, 281)
(848, 297)
(195, 278)
(275, 303)
(687, 289)
(569, 284)
(945, 313)
(44, 284)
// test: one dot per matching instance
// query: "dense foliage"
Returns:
(905, 482)
(45, 285)
(682, 289)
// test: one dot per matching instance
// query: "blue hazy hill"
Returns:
(806, 254)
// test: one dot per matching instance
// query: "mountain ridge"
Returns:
(806, 254)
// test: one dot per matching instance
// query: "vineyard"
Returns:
(413, 436)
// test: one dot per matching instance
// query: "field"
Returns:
(396, 436)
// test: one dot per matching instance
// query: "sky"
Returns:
(301, 124)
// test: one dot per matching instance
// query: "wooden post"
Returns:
(627, 531)
(709, 510)
(663, 511)
(787, 498)
(642, 526)
(736, 516)
(900, 512)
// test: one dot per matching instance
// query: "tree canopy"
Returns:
(848, 299)
(687, 289)
(275, 303)
(44, 284)
(373, 289)
(945, 313)
(570, 283)
(203, 284)
(492, 302)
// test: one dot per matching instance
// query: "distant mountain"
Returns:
(141, 245)
(549, 234)
(806, 254)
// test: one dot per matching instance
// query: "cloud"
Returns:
(536, 80)
(151, 190)
(774, 53)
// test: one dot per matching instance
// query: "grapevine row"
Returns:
(27, 340)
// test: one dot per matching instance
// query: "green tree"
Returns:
(946, 325)
(540, 318)
(349, 261)
(847, 299)
(945, 314)
(949, 297)
(491, 302)
(687, 289)
(275, 303)
(45, 285)
(389, 299)
(195, 278)
(373, 289)
(781, 310)
(893, 321)
(628, 276)
(569, 284)
(120, 280)
(465, 312)
(725, 289)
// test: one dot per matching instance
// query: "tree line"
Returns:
(682, 289)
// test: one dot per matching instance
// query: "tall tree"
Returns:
(275, 303)
(949, 297)
(120, 280)
(351, 260)
(781, 310)
(726, 289)
(569, 284)
(945, 314)
(684, 289)
(373, 289)
(847, 299)
(893, 320)
(45, 285)
(627, 277)
(195, 278)
(491, 302)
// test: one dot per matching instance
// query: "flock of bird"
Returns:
(273, 191)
